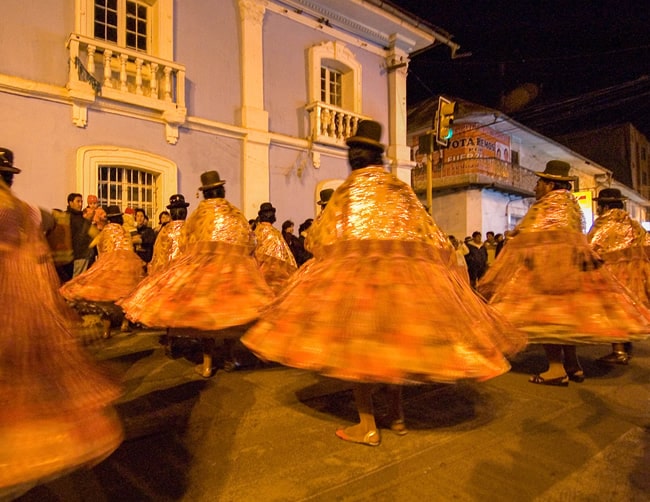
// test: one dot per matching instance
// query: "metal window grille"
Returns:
(331, 86)
(124, 22)
(127, 187)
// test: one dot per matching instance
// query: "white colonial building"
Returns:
(133, 99)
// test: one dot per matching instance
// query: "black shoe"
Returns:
(562, 381)
(577, 376)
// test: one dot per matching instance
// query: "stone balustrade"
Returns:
(331, 124)
(99, 69)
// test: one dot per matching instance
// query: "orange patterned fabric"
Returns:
(52, 393)
(275, 259)
(114, 275)
(214, 285)
(167, 247)
(620, 242)
(378, 304)
(217, 220)
(165, 251)
(550, 284)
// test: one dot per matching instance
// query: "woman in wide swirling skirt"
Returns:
(114, 275)
(379, 303)
(55, 402)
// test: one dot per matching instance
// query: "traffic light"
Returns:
(444, 120)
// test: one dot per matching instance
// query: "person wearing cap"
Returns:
(57, 410)
(89, 213)
(273, 255)
(116, 273)
(550, 284)
(215, 289)
(378, 303)
(620, 241)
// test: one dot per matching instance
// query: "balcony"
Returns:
(482, 172)
(102, 69)
(330, 124)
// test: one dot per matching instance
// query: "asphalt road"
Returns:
(266, 433)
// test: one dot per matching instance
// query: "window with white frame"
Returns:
(334, 93)
(330, 86)
(335, 76)
(143, 25)
(123, 22)
(126, 177)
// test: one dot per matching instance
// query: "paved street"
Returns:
(267, 434)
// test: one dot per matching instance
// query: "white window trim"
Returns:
(336, 55)
(90, 158)
(161, 25)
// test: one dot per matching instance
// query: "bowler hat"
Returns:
(557, 170)
(325, 196)
(7, 161)
(113, 211)
(610, 195)
(210, 179)
(177, 200)
(266, 207)
(368, 135)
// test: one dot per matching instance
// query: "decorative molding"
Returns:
(253, 10)
(327, 30)
(90, 158)
(57, 94)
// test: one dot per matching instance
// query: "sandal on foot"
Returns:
(399, 427)
(577, 376)
(370, 439)
(562, 381)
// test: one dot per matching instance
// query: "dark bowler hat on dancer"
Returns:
(7, 161)
(610, 195)
(113, 211)
(210, 179)
(267, 207)
(178, 200)
(325, 196)
(556, 170)
(368, 135)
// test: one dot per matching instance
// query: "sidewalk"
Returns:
(267, 434)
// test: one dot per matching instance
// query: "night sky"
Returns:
(589, 61)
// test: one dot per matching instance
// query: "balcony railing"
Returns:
(483, 171)
(100, 68)
(331, 124)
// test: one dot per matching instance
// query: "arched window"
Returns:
(334, 93)
(126, 177)
(335, 76)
